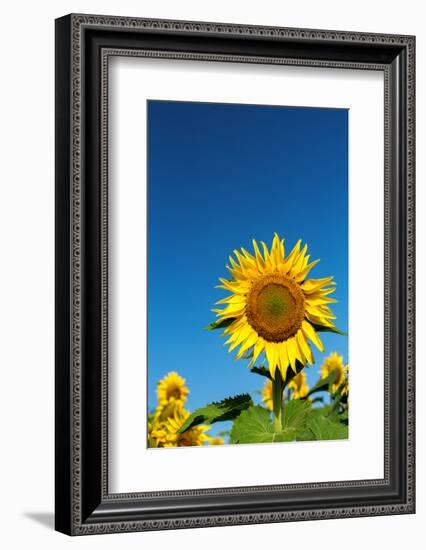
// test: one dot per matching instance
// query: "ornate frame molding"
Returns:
(73, 50)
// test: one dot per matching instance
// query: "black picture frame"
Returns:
(83, 45)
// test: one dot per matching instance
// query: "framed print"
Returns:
(234, 274)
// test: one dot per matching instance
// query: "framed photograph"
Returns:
(234, 274)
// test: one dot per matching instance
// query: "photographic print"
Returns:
(247, 274)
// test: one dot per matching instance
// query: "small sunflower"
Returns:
(161, 414)
(299, 386)
(344, 386)
(334, 364)
(273, 307)
(195, 436)
(217, 440)
(267, 395)
(169, 416)
(344, 390)
(152, 442)
(172, 388)
(157, 435)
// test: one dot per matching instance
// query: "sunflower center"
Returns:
(275, 307)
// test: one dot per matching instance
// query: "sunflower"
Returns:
(216, 440)
(172, 389)
(344, 386)
(333, 364)
(299, 386)
(273, 307)
(267, 395)
(163, 412)
(152, 441)
(194, 436)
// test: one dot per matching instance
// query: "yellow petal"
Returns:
(320, 301)
(257, 350)
(309, 331)
(304, 272)
(241, 259)
(232, 299)
(247, 344)
(235, 325)
(284, 360)
(271, 355)
(233, 263)
(292, 256)
(312, 285)
(304, 346)
(265, 251)
(275, 242)
(299, 262)
(247, 255)
(227, 314)
(230, 310)
(272, 370)
(292, 352)
(282, 252)
(241, 336)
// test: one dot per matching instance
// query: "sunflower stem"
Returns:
(277, 400)
(278, 423)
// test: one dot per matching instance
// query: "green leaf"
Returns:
(295, 413)
(227, 409)
(305, 435)
(254, 426)
(222, 323)
(324, 428)
(344, 417)
(323, 384)
(262, 371)
(322, 328)
(322, 423)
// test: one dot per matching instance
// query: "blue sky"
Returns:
(220, 175)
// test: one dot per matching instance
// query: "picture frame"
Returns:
(83, 503)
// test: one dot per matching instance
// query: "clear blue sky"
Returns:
(218, 176)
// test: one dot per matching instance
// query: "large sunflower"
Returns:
(273, 307)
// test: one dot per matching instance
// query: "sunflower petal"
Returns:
(292, 353)
(284, 360)
(257, 350)
(304, 346)
(309, 331)
(271, 355)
